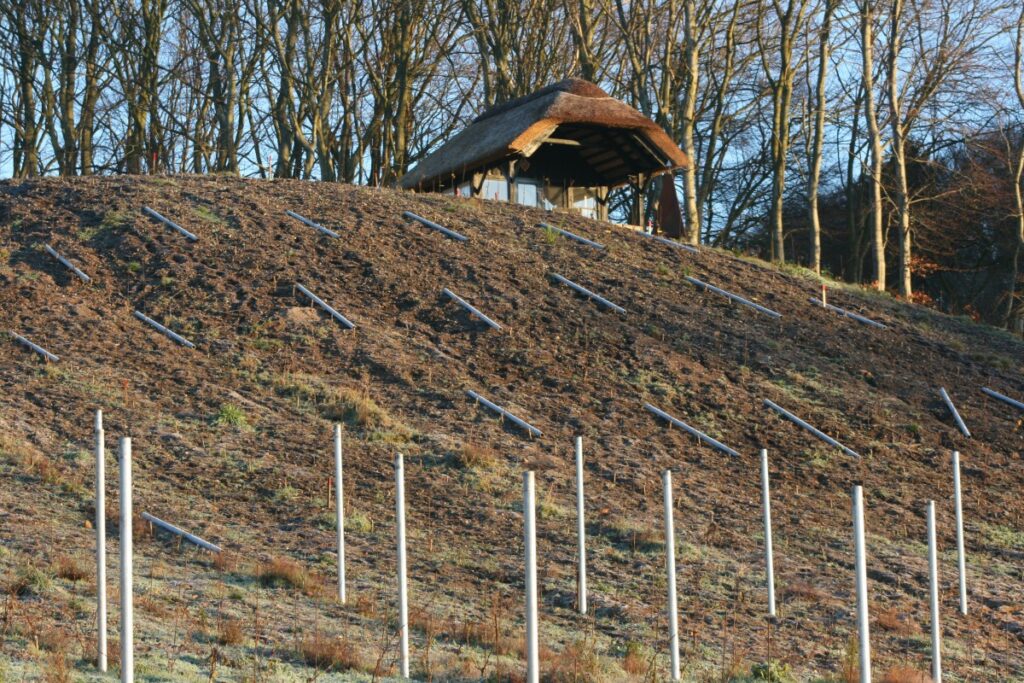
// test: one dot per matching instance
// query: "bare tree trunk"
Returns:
(867, 41)
(814, 179)
(899, 147)
(691, 80)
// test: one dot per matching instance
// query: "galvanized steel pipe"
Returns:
(170, 333)
(817, 432)
(315, 226)
(169, 223)
(572, 236)
(67, 264)
(469, 307)
(322, 304)
(587, 293)
(695, 432)
(434, 226)
(735, 297)
(498, 409)
(167, 526)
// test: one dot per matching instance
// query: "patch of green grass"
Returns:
(134, 266)
(111, 221)
(358, 522)
(286, 493)
(343, 404)
(232, 415)
(209, 215)
(32, 581)
(1002, 536)
(551, 236)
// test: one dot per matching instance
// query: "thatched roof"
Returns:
(571, 131)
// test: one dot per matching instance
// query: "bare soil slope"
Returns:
(232, 441)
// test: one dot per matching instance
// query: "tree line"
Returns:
(879, 140)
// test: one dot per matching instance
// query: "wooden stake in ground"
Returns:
(862, 585)
(530, 543)
(767, 507)
(339, 505)
(933, 585)
(960, 559)
(101, 548)
(670, 571)
(403, 597)
(127, 617)
(581, 531)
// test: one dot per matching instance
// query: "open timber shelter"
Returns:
(565, 146)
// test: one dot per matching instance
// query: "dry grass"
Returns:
(473, 457)
(337, 403)
(230, 631)
(70, 568)
(905, 674)
(329, 654)
(578, 661)
(281, 572)
(893, 621)
(634, 663)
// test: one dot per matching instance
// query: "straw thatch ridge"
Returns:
(514, 128)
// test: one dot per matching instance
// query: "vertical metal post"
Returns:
(101, 547)
(127, 617)
(403, 597)
(960, 559)
(862, 585)
(530, 542)
(339, 506)
(581, 531)
(767, 506)
(670, 570)
(933, 586)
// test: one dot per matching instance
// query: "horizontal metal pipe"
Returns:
(167, 526)
(813, 430)
(469, 307)
(735, 297)
(35, 347)
(695, 432)
(498, 409)
(848, 314)
(169, 223)
(956, 415)
(1002, 397)
(68, 264)
(572, 236)
(315, 226)
(587, 293)
(671, 243)
(170, 333)
(434, 226)
(322, 304)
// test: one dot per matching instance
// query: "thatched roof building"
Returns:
(564, 146)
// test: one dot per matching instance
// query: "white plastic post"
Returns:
(933, 584)
(767, 506)
(581, 531)
(339, 507)
(127, 617)
(670, 570)
(101, 548)
(530, 529)
(403, 597)
(862, 585)
(960, 560)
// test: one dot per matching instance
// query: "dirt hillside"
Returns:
(232, 442)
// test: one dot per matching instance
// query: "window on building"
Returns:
(585, 201)
(527, 193)
(496, 189)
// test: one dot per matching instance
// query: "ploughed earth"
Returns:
(232, 442)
